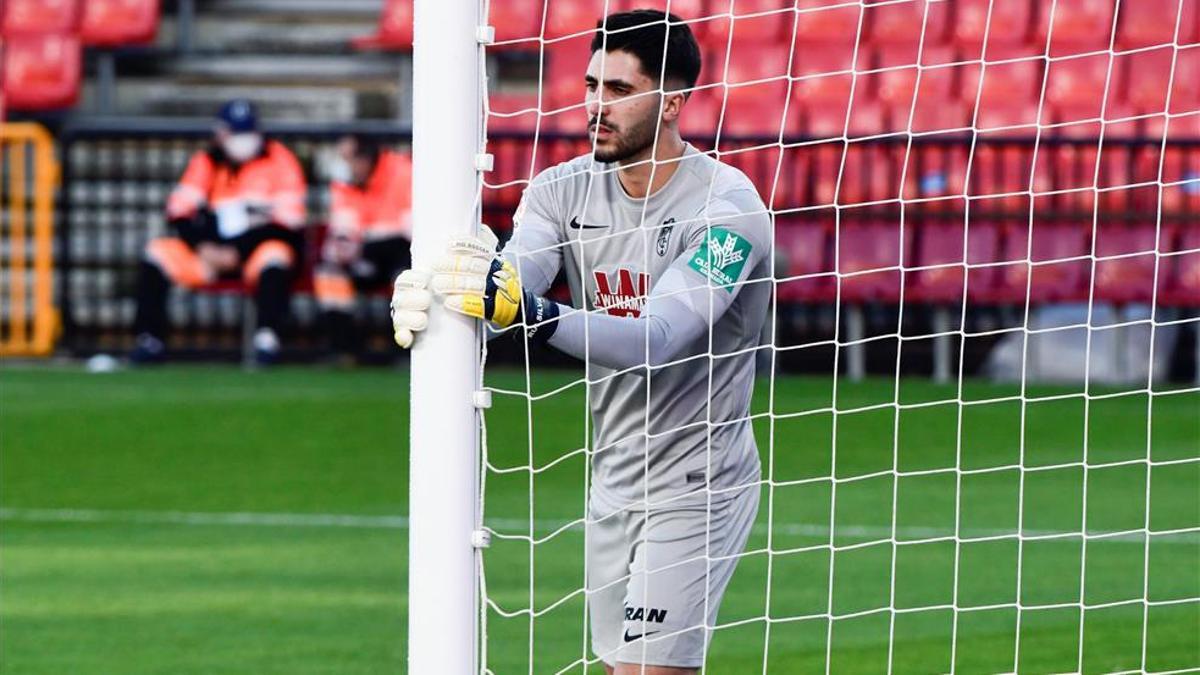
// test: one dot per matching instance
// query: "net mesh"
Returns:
(986, 247)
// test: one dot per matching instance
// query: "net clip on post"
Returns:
(481, 538)
(482, 399)
(485, 161)
(485, 35)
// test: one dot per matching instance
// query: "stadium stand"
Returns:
(819, 122)
(25, 17)
(119, 23)
(1077, 26)
(1141, 23)
(42, 71)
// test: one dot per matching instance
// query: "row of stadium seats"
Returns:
(1117, 176)
(43, 40)
(1076, 26)
(866, 256)
(823, 91)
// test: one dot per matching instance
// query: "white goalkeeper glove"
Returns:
(473, 280)
(410, 305)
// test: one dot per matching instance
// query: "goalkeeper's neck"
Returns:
(646, 172)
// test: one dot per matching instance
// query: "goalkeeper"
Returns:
(666, 252)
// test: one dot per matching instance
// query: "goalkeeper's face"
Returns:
(623, 107)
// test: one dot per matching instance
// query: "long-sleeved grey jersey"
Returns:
(672, 291)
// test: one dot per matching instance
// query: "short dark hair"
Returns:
(642, 32)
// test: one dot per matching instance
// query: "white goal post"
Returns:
(442, 591)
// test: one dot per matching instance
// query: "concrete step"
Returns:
(298, 9)
(261, 36)
(289, 68)
(152, 96)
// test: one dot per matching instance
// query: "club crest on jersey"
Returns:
(627, 297)
(664, 237)
(721, 257)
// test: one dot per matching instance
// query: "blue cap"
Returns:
(239, 116)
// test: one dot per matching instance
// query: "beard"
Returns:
(632, 142)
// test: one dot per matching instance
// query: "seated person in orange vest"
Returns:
(370, 227)
(237, 212)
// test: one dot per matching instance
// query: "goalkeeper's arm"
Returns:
(475, 281)
(670, 321)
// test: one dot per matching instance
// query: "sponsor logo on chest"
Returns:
(622, 292)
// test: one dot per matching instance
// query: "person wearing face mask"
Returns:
(238, 211)
(370, 227)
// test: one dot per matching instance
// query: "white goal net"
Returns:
(976, 406)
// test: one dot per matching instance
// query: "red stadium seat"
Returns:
(512, 112)
(868, 167)
(803, 262)
(793, 187)
(1122, 280)
(1185, 86)
(1146, 23)
(116, 23)
(1079, 26)
(891, 56)
(1182, 283)
(897, 30)
(1150, 76)
(1009, 95)
(42, 72)
(868, 260)
(939, 251)
(756, 110)
(1078, 85)
(517, 20)
(772, 25)
(568, 17)
(826, 38)
(1181, 168)
(564, 66)
(1008, 24)
(394, 31)
(822, 76)
(945, 97)
(1146, 78)
(895, 89)
(700, 114)
(760, 164)
(39, 16)
(1056, 277)
(687, 10)
(753, 62)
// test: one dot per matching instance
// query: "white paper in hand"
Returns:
(232, 219)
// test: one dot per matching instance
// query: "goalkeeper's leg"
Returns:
(677, 564)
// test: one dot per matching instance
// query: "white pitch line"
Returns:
(352, 521)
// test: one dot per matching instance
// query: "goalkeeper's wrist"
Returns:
(540, 316)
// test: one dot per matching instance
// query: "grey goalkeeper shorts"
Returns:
(655, 579)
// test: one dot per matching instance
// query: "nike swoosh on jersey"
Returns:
(631, 638)
(575, 224)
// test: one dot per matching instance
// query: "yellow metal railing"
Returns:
(29, 320)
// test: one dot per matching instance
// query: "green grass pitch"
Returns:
(125, 548)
